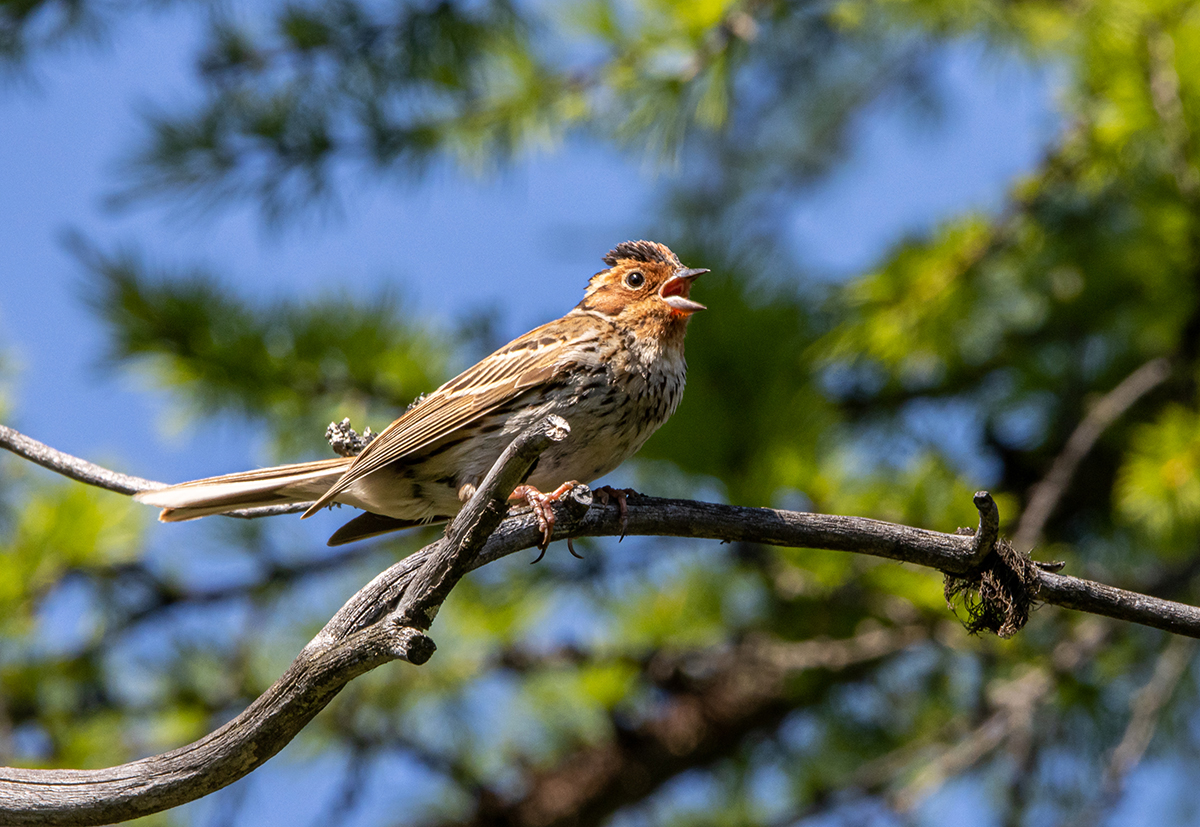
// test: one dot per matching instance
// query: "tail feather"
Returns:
(368, 524)
(296, 483)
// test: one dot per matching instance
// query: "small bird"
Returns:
(613, 367)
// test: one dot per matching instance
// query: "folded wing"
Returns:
(536, 358)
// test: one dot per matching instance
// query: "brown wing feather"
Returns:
(256, 474)
(532, 359)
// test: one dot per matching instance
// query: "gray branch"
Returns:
(383, 622)
(83, 471)
(73, 467)
(386, 619)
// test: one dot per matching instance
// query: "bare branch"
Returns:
(363, 635)
(1015, 703)
(1146, 707)
(649, 516)
(76, 797)
(716, 698)
(73, 467)
(83, 471)
(1097, 598)
(948, 553)
(383, 621)
(1045, 496)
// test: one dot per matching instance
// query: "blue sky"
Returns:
(450, 243)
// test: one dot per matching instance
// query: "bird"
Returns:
(613, 367)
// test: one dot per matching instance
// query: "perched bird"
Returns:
(613, 368)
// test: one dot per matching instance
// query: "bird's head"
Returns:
(645, 289)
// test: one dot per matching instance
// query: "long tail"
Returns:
(297, 483)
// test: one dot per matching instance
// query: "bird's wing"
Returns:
(533, 359)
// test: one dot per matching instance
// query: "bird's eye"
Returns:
(635, 279)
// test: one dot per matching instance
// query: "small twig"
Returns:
(73, 467)
(1015, 703)
(455, 555)
(984, 541)
(266, 511)
(83, 471)
(1046, 495)
(1146, 706)
(345, 441)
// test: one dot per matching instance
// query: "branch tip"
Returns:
(989, 529)
(347, 442)
(467, 533)
(1000, 585)
(413, 645)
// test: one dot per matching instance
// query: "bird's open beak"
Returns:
(675, 291)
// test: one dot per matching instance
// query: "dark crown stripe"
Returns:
(647, 251)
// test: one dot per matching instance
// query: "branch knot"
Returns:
(1000, 584)
(998, 595)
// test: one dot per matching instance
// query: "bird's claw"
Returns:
(607, 494)
(543, 510)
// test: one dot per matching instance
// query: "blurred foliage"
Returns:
(31, 26)
(283, 362)
(307, 94)
(966, 358)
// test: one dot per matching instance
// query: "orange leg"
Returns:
(607, 494)
(541, 505)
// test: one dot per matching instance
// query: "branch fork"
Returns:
(386, 620)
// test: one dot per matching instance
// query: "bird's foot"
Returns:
(542, 509)
(607, 494)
